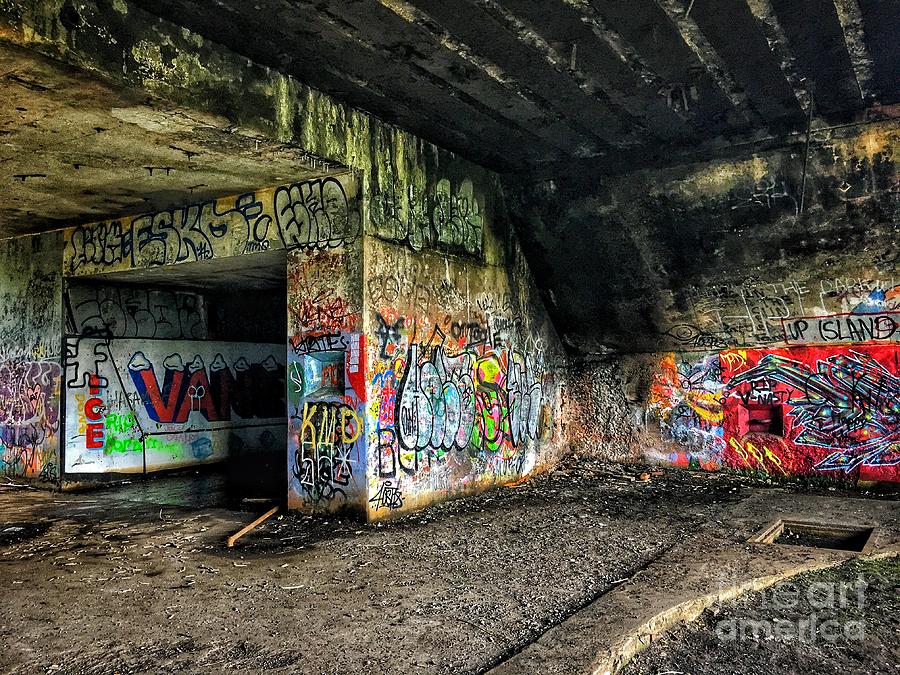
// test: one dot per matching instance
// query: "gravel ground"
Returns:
(122, 580)
(815, 628)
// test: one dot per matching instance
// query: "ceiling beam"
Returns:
(778, 43)
(851, 20)
(587, 56)
(422, 68)
(565, 65)
(464, 26)
(630, 161)
(617, 44)
(419, 42)
(707, 55)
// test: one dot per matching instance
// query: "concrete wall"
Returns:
(764, 338)
(820, 411)
(30, 363)
(465, 371)
(431, 220)
(716, 254)
(178, 400)
(422, 364)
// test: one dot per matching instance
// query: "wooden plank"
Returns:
(244, 530)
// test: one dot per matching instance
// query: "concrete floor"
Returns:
(565, 573)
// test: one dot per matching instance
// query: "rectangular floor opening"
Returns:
(817, 535)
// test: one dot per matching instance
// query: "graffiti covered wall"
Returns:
(30, 346)
(314, 214)
(731, 252)
(123, 312)
(746, 316)
(464, 374)
(326, 380)
(146, 405)
(800, 411)
(827, 411)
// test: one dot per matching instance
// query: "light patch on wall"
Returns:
(870, 143)
(718, 177)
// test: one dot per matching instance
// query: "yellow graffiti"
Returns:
(350, 424)
(664, 393)
(733, 359)
(706, 404)
(748, 449)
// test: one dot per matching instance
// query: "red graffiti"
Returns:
(93, 411)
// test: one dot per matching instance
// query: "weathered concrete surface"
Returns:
(775, 411)
(204, 91)
(466, 373)
(103, 582)
(30, 357)
(572, 79)
(77, 147)
(733, 288)
(832, 621)
(715, 254)
(693, 576)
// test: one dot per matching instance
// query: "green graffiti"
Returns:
(158, 445)
(116, 444)
(121, 424)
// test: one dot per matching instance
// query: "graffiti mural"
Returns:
(838, 410)
(825, 410)
(135, 405)
(29, 418)
(314, 214)
(462, 385)
(478, 401)
(318, 303)
(324, 462)
(686, 397)
(754, 312)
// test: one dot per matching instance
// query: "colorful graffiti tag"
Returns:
(480, 401)
(29, 418)
(326, 378)
(250, 390)
(136, 405)
(838, 410)
(324, 462)
(450, 412)
(786, 411)
(686, 397)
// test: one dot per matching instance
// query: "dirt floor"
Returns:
(138, 579)
(822, 630)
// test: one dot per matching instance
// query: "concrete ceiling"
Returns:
(516, 84)
(260, 271)
(73, 149)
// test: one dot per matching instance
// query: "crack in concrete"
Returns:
(520, 647)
